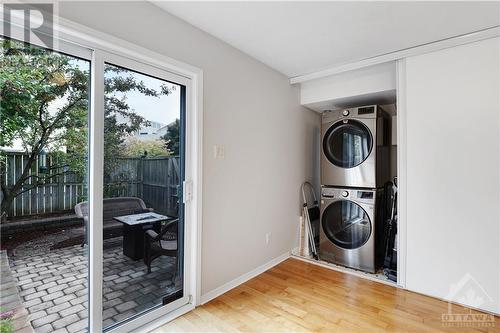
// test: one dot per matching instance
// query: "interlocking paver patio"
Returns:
(53, 286)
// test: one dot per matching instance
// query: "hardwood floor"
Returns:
(295, 296)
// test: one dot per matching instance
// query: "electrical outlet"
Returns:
(268, 238)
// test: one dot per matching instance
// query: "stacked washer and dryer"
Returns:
(355, 165)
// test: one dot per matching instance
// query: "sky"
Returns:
(164, 109)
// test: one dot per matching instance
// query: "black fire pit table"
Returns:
(134, 227)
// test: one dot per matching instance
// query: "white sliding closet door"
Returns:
(453, 174)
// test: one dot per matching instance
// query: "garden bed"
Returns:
(39, 222)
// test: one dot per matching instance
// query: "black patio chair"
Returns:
(164, 243)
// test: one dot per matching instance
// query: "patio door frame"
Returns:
(100, 59)
(86, 43)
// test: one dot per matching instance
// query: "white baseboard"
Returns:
(242, 279)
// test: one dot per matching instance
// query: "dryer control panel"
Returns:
(349, 194)
(366, 112)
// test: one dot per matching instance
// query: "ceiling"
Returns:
(299, 38)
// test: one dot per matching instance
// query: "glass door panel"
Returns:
(346, 224)
(142, 182)
(44, 118)
(347, 143)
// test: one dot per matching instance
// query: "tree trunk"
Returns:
(6, 204)
(9, 194)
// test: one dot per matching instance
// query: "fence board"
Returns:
(155, 180)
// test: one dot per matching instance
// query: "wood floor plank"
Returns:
(295, 296)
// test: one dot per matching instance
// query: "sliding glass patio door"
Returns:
(103, 143)
(142, 206)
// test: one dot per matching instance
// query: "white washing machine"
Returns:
(355, 147)
(349, 233)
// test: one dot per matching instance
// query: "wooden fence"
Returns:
(155, 180)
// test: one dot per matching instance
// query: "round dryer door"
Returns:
(347, 143)
(346, 224)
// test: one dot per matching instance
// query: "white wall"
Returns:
(248, 108)
(366, 84)
(453, 172)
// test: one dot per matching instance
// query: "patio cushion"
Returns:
(169, 245)
(112, 224)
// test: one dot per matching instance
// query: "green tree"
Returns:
(150, 148)
(44, 105)
(172, 138)
(33, 81)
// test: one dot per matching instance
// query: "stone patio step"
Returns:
(10, 300)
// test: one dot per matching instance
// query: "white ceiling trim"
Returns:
(412, 51)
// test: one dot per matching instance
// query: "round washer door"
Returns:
(347, 143)
(346, 224)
